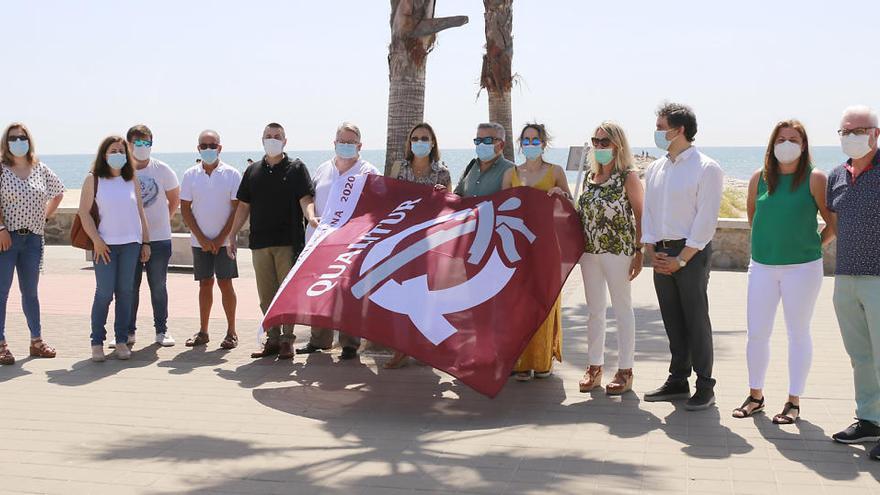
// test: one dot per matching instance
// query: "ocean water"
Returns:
(737, 162)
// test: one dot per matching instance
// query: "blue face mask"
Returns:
(531, 151)
(209, 156)
(603, 156)
(660, 140)
(19, 148)
(346, 151)
(421, 148)
(485, 152)
(116, 160)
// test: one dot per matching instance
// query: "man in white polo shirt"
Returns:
(346, 163)
(207, 203)
(160, 192)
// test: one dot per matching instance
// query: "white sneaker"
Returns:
(164, 339)
(122, 352)
(98, 353)
(131, 341)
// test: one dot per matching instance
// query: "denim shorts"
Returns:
(207, 265)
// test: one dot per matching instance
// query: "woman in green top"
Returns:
(783, 200)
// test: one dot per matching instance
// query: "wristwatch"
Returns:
(681, 262)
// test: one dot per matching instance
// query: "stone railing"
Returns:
(731, 245)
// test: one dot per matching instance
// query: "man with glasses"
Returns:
(346, 163)
(853, 196)
(485, 174)
(273, 194)
(682, 199)
(160, 192)
(208, 203)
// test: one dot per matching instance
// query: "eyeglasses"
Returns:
(858, 131)
(485, 140)
(17, 138)
(142, 142)
(205, 146)
(424, 139)
(603, 142)
(533, 141)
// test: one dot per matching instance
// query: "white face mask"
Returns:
(787, 151)
(854, 146)
(273, 147)
(142, 152)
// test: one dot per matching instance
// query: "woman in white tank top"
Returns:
(121, 238)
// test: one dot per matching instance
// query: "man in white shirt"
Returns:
(682, 199)
(207, 203)
(160, 192)
(346, 163)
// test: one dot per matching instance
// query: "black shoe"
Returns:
(875, 453)
(858, 432)
(703, 398)
(669, 391)
(309, 349)
(349, 353)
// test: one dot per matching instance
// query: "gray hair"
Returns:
(862, 110)
(348, 126)
(500, 133)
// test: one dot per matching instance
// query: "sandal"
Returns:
(6, 357)
(592, 379)
(41, 349)
(399, 360)
(744, 409)
(783, 418)
(621, 383)
(198, 339)
(229, 342)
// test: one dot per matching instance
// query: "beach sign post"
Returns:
(577, 160)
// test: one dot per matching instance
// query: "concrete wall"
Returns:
(732, 248)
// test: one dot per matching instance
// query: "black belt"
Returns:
(22, 231)
(670, 244)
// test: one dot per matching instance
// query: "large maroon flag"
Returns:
(460, 284)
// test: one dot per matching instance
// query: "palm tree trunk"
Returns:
(413, 31)
(497, 75)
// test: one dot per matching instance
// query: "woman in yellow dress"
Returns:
(537, 359)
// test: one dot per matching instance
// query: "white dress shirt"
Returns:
(324, 178)
(682, 199)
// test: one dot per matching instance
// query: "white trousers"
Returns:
(612, 271)
(798, 287)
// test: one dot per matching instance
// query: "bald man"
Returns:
(208, 203)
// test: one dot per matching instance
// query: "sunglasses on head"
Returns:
(603, 142)
(142, 142)
(205, 146)
(17, 138)
(485, 140)
(533, 141)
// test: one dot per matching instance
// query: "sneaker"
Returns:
(543, 374)
(164, 339)
(669, 391)
(703, 398)
(523, 376)
(858, 432)
(348, 353)
(131, 342)
(122, 352)
(98, 353)
(875, 453)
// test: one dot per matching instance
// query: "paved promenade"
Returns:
(181, 421)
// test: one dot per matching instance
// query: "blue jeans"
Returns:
(23, 256)
(114, 279)
(157, 277)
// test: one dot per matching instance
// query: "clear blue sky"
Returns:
(77, 71)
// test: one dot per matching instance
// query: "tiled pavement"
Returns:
(175, 420)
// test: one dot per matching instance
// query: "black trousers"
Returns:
(684, 306)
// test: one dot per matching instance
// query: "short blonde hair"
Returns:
(623, 158)
(6, 156)
(348, 126)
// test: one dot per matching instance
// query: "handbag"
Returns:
(78, 236)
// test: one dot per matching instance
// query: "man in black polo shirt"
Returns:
(273, 195)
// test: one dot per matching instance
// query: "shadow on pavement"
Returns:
(85, 371)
